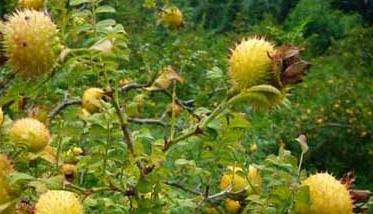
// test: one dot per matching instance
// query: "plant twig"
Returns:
(124, 127)
(185, 189)
(67, 102)
(220, 194)
(131, 86)
(147, 121)
(198, 128)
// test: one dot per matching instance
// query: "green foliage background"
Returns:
(337, 40)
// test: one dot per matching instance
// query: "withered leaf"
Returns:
(165, 79)
(295, 72)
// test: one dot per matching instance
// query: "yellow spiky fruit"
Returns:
(232, 206)
(250, 63)
(30, 133)
(255, 179)
(328, 196)
(31, 43)
(31, 4)
(91, 100)
(58, 202)
(171, 17)
(237, 182)
(1, 117)
(5, 169)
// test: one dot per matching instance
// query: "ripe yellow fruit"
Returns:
(91, 100)
(232, 206)
(31, 43)
(6, 166)
(5, 169)
(237, 182)
(255, 179)
(58, 202)
(4, 193)
(1, 117)
(69, 169)
(172, 17)
(250, 63)
(31, 4)
(328, 196)
(30, 133)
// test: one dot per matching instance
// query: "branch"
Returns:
(148, 121)
(220, 194)
(124, 127)
(127, 138)
(131, 86)
(63, 105)
(179, 186)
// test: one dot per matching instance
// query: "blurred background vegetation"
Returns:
(334, 105)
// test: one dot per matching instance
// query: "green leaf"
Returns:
(183, 162)
(17, 178)
(78, 2)
(105, 9)
(144, 186)
(105, 23)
